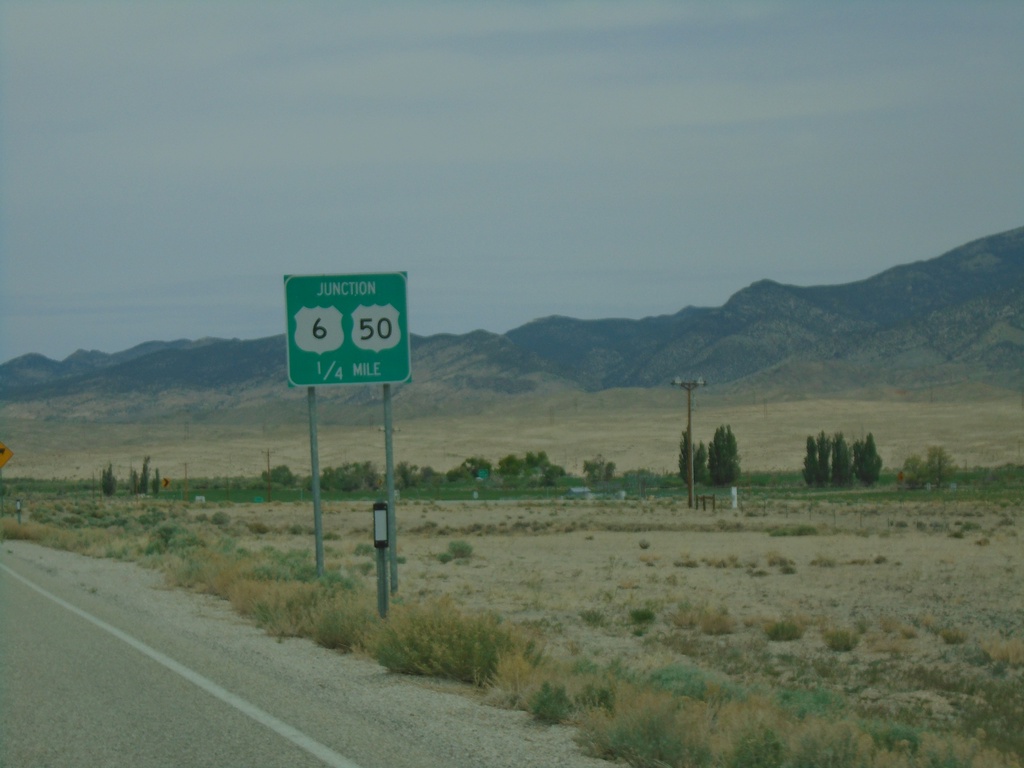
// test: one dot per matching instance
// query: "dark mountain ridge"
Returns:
(959, 316)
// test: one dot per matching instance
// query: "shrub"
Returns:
(717, 623)
(649, 729)
(642, 616)
(285, 566)
(831, 745)
(776, 559)
(895, 736)
(172, 538)
(759, 748)
(784, 630)
(343, 624)
(550, 704)
(515, 679)
(436, 639)
(9, 529)
(840, 640)
(818, 702)
(283, 609)
(793, 530)
(1007, 651)
(460, 550)
(595, 696)
(953, 636)
(694, 683)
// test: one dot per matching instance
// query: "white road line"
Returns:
(325, 754)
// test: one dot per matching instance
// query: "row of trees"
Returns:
(717, 464)
(139, 481)
(532, 468)
(830, 460)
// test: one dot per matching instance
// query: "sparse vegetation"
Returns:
(726, 705)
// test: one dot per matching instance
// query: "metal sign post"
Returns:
(314, 462)
(345, 330)
(389, 474)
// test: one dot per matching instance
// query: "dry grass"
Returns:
(1005, 650)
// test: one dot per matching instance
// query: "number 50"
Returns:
(367, 328)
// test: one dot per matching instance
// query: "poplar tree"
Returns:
(867, 464)
(842, 469)
(700, 459)
(811, 462)
(724, 457)
(108, 483)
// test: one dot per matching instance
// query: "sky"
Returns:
(164, 165)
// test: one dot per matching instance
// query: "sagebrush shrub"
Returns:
(784, 630)
(841, 640)
(551, 704)
(436, 639)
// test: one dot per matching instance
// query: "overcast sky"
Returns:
(164, 164)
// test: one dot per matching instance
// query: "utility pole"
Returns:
(689, 386)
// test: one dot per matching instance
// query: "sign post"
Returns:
(348, 330)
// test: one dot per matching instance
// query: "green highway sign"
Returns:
(347, 329)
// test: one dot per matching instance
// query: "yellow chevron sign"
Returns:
(5, 454)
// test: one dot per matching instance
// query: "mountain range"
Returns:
(953, 319)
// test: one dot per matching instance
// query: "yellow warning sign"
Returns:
(5, 454)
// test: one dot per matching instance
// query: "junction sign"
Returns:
(347, 329)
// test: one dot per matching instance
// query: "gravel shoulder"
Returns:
(401, 721)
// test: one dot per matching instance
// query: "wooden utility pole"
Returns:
(689, 386)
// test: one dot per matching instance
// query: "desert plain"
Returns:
(908, 605)
(634, 428)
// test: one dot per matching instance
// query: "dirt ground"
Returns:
(923, 585)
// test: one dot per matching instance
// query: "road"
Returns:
(101, 665)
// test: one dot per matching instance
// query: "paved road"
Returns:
(100, 666)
